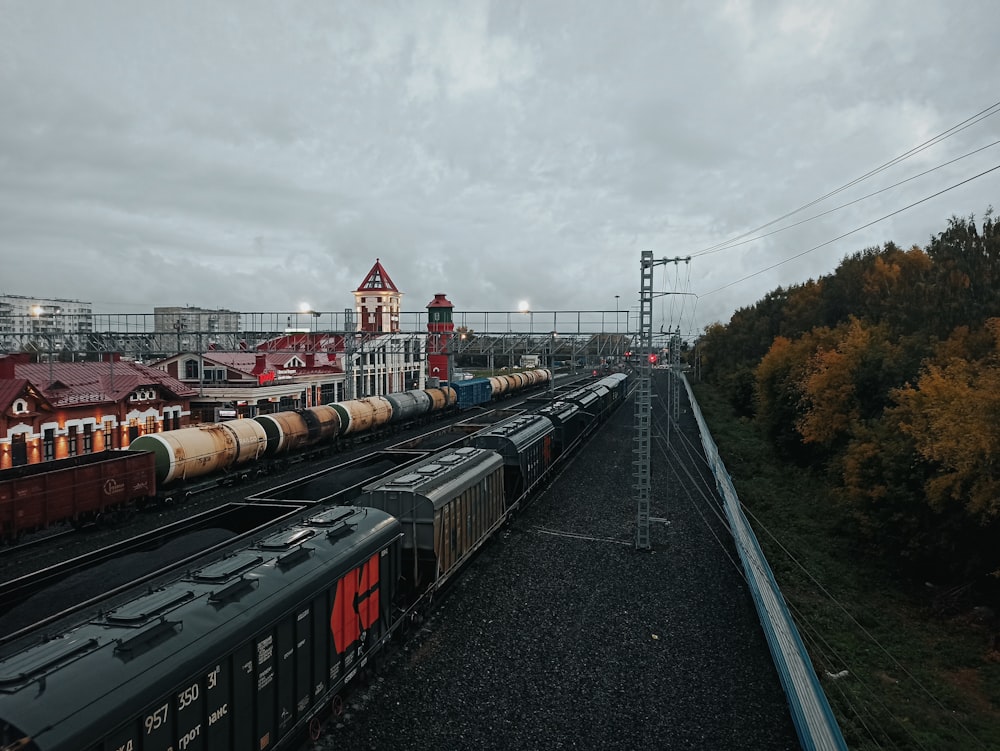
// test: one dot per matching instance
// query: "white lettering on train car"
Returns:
(191, 735)
(186, 697)
(218, 714)
(155, 720)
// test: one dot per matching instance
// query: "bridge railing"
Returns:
(814, 721)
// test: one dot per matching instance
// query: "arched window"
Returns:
(20, 406)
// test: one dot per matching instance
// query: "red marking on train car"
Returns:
(356, 605)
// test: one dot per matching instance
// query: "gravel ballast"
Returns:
(561, 635)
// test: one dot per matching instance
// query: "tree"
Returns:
(953, 416)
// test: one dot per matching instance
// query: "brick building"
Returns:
(54, 410)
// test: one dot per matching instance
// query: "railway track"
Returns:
(242, 509)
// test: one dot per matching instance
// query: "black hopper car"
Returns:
(247, 651)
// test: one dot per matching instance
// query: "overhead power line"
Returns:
(847, 234)
(993, 109)
(720, 248)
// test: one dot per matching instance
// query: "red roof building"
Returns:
(54, 410)
(250, 383)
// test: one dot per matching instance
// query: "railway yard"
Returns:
(562, 636)
(557, 634)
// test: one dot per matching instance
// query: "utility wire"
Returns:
(848, 234)
(720, 248)
(967, 123)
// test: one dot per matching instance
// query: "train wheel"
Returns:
(315, 728)
(337, 706)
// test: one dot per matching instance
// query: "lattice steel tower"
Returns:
(643, 396)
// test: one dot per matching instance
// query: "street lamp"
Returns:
(179, 326)
(37, 311)
(552, 363)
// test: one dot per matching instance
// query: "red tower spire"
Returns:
(439, 328)
(377, 279)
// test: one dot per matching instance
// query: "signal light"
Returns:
(652, 359)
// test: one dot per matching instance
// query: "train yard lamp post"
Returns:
(179, 326)
(36, 312)
(616, 313)
(552, 364)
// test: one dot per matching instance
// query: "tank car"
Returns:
(442, 398)
(408, 405)
(194, 452)
(499, 385)
(362, 415)
(288, 432)
(241, 653)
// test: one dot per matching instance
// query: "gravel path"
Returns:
(562, 636)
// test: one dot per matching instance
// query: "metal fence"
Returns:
(814, 721)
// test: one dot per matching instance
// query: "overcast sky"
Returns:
(252, 155)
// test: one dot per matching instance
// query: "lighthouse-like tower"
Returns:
(440, 329)
(377, 302)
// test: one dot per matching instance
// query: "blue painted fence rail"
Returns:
(814, 721)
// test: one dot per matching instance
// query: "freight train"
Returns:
(231, 447)
(177, 463)
(249, 649)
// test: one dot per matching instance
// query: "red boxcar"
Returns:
(76, 490)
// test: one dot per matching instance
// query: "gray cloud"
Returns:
(253, 155)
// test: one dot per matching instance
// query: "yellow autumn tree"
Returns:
(952, 414)
(779, 378)
(842, 383)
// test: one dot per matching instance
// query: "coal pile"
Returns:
(561, 635)
(337, 481)
(97, 580)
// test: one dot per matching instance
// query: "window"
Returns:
(71, 439)
(49, 444)
(88, 439)
(190, 368)
(20, 406)
(150, 425)
(109, 434)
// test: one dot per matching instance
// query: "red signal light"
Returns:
(652, 359)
